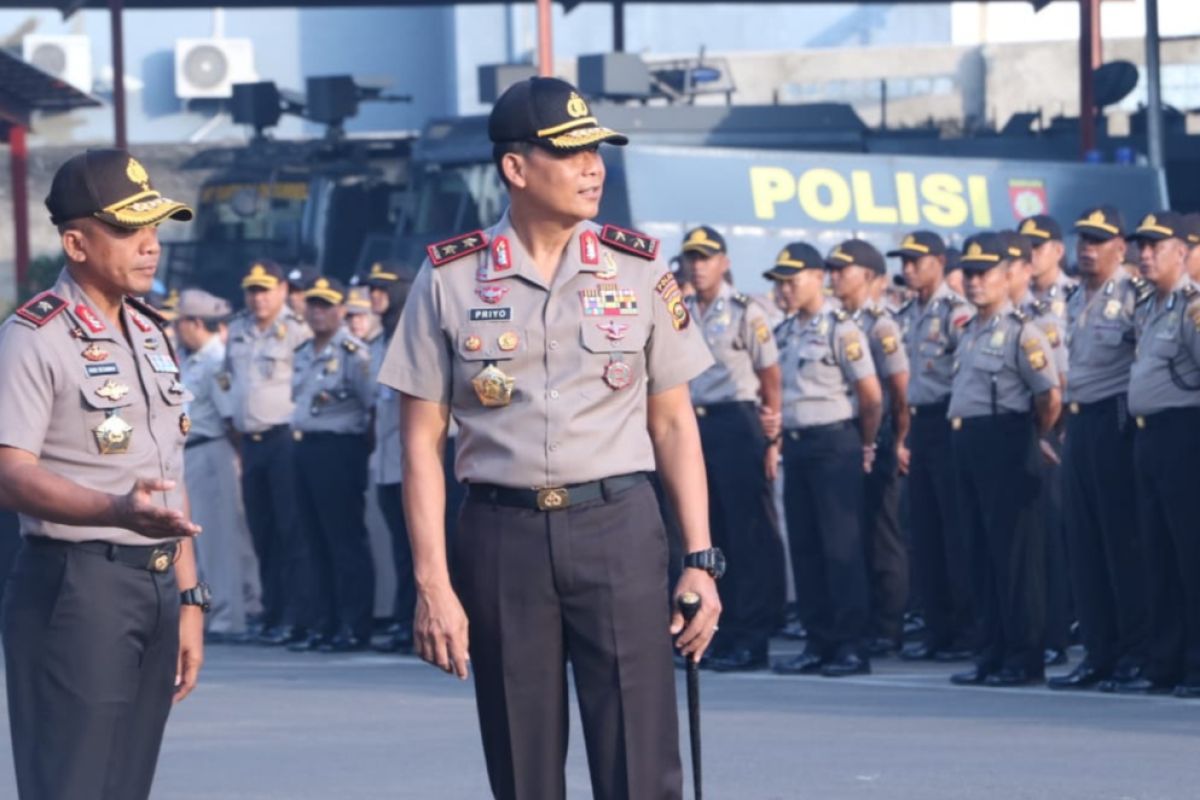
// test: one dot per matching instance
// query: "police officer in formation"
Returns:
(1164, 398)
(933, 323)
(1107, 554)
(741, 506)
(832, 403)
(257, 382)
(102, 616)
(1005, 396)
(563, 349)
(856, 270)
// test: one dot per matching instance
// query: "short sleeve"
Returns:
(675, 351)
(853, 355)
(27, 399)
(417, 361)
(1191, 331)
(362, 378)
(760, 343)
(957, 317)
(887, 347)
(1035, 360)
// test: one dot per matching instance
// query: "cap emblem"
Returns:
(974, 250)
(137, 173)
(258, 271)
(1150, 221)
(321, 283)
(576, 106)
(1097, 218)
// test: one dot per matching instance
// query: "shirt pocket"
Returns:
(990, 363)
(1165, 349)
(107, 429)
(605, 348)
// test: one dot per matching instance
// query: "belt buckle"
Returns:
(256, 437)
(1074, 408)
(1141, 423)
(552, 499)
(160, 559)
(956, 424)
(701, 411)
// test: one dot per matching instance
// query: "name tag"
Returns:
(491, 314)
(101, 369)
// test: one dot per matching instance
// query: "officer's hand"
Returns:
(440, 630)
(771, 462)
(138, 512)
(903, 458)
(191, 650)
(693, 640)
(771, 421)
(868, 458)
(1048, 454)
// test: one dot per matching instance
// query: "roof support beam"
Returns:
(18, 154)
(116, 16)
(1089, 60)
(545, 38)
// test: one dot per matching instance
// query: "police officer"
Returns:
(741, 508)
(832, 403)
(298, 280)
(1005, 395)
(360, 319)
(932, 324)
(855, 267)
(953, 270)
(564, 350)
(92, 428)
(1048, 282)
(1192, 226)
(211, 464)
(1107, 556)
(257, 381)
(334, 393)
(1164, 397)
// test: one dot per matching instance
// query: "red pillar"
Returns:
(117, 28)
(1089, 60)
(545, 39)
(19, 168)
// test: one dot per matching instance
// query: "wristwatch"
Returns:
(198, 595)
(711, 561)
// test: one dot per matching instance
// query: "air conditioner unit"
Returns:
(68, 58)
(208, 68)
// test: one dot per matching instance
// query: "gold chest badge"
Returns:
(113, 436)
(493, 388)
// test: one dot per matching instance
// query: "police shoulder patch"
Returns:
(632, 242)
(41, 309)
(444, 252)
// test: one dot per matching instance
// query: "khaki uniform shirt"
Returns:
(333, 389)
(1039, 312)
(886, 341)
(1101, 338)
(200, 371)
(95, 407)
(822, 358)
(387, 459)
(1056, 296)
(1003, 362)
(1166, 367)
(582, 353)
(740, 340)
(258, 370)
(931, 337)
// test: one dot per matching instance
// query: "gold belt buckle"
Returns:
(160, 559)
(701, 411)
(256, 437)
(1141, 423)
(1074, 408)
(552, 499)
(956, 424)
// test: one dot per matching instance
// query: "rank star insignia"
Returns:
(111, 390)
(113, 435)
(613, 330)
(94, 353)
(491, 294)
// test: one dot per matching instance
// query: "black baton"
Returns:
(689, 605)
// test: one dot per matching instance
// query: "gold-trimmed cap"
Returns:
(548, 112)
(1160, 225)
(1039, 229)
(331, 290)
(983, 251)
(1100, 223)
(918, 244)
(358, 300)
(382, 274)
(263, 274)
(793, 258)
(703, 240)
(112, 186)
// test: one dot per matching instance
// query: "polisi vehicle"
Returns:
(767, 175)
(325, 203)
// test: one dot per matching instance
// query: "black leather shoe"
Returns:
(1012, 676)
(1188, 690)
(1054, 657)
(398, 638)
(914, 623)
(741, 659)
(1138, 684)
(344, 642)
(916, 651)
(309, 644)
(1084, 676)
(881, 647)
(948, 655)
(807, 663)
(975, 676)
(845, 665)
(280, 635)
(794, 629)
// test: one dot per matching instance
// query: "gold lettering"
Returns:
(770, 186)
(864, 201)
(944, 203)
(839, 203)
(906, 198)
(977, 189)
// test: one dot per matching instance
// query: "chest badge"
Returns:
(113, 435)
(491, 294)
(609, 271)
(1112, 309)
(614, 331)
(609, 300)
(111, 390)
(618, 375)
(508, 341)
(473, 344)
(94, 353)
(493, 388)
(331, 366)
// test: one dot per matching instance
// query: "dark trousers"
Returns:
(823, 501)
(939, 550)
(585, 584)
(1058, 578)
(331, 482)
(741, 513)
(391, 503)
(90, 649)
(269, 493)
(997, 461)
(1107, 554)
(1168, 476)
(887, 552)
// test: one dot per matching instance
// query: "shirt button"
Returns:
(554, 394)
(553, 447)
(553, 344)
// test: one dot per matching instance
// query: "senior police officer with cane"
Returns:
(563, 350)
(92, 428)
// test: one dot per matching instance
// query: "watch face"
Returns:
(718, 563)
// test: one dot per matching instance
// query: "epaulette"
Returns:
(302, 345)
(443, 253)
(1069, 291)
(876, 311)
(904, 308)
(841, 315)
(1144, 290)
(41, 309)
(1189, 292)
(145, 309)
(632, 242)
(351, 346)
(741, 299)
(1020, 316)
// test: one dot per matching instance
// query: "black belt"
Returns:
(269, 433)
(313, 436)
(1168, 416)
(554, 498)
(715, 409)
(958, 423)
(1105, 406)
(150, 557)
(797, 433)
(196, 441)
(937, 410)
